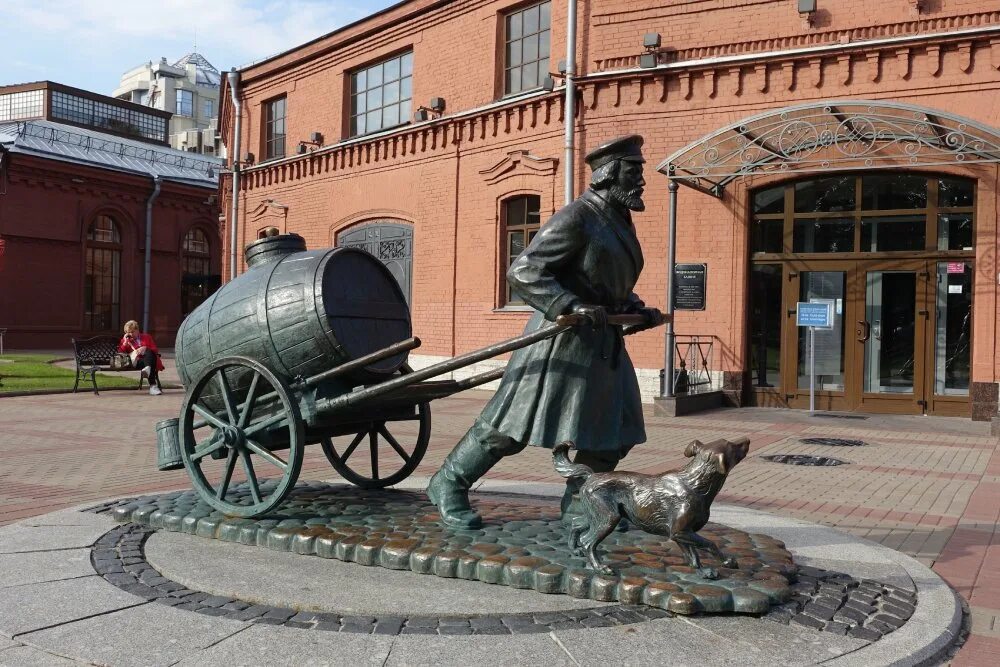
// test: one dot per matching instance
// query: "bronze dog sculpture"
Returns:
(675, 504)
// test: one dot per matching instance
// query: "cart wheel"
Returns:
(390, 462)
(247, 405)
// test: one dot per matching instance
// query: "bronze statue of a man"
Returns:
(580, 385)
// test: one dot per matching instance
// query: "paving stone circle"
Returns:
(822, 600)
(119, 557)
(833, 442)
(838, 603)
(803, 460)
(520, 545)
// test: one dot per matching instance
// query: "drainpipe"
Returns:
(233, 77)
(569, 115)
(148, 272)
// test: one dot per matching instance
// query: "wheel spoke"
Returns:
(215, 443)
(248, 405)
(260, 451)
(351, 447)
(251, 477)
(373, 446)
(209, 416)
(392, 443)
(230, 467)
(260, 426)
(227, 395)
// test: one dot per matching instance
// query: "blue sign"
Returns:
(817, 314)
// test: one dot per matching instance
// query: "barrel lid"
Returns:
(271, 248)
(365, 307)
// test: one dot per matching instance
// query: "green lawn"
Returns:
(34, 372)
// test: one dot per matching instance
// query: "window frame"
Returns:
(192, 257)
(269, 138)
(931, 212)
(505, 42)
(182, 93)
(528, 230)
(110, 252)
(354, 92)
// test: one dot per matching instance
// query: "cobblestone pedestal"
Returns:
(522, 545)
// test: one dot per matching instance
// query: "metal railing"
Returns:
(693, 355)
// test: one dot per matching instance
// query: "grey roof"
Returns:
(206, 74)
(73, 144)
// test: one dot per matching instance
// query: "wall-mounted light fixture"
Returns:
(651, 42)
(433, 110)
(549, 82)
(249, 159)
(315, 139)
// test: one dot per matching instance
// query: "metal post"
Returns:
(148, 257)
(233, 78)
(569, 114)
(812, 370)
(670, 342)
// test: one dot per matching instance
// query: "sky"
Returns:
(91, 43)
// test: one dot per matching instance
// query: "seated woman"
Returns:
(145, 356)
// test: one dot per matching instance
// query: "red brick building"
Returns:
(886, 208)
(79, 173)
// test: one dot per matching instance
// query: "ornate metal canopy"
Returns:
(834, 135)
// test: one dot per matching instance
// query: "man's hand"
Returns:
(597, 315)
(653, 315)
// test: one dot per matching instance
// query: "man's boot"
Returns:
(474, 455)
(600, 461)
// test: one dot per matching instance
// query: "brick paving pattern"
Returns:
(928, 487)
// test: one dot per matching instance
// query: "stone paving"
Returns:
(521, 545)
(927, 487)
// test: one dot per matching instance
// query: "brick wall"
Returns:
(448, 176)
(46, 207)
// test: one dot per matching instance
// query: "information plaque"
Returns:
(689, 286)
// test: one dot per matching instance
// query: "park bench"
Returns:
(93, 355)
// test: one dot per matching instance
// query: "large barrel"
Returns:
(299, 312)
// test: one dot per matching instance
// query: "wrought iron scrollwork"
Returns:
(832, 136)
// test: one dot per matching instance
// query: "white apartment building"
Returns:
(189, 89)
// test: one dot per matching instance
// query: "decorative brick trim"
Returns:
(831, 37)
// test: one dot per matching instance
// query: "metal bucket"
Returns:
(168, 445)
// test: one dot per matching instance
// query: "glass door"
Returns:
(891, 332)
(832, 282)
(951, 338)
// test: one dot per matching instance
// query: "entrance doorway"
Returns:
(890, 349)
(893, 253)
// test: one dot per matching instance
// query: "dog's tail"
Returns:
(564, 466)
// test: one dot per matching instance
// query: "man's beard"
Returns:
(630, 199)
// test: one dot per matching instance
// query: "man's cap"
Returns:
(623, 148)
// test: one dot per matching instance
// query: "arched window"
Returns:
(389, 240)
(520, 220)
(196, 268)
(102, 281)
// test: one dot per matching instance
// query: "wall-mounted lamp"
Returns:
(549, 82)
(315, 139)
(651, 42)
(436, 107)
(249, 159)
(807, 10)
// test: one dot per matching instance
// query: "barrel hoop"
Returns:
(324, 333)
(270, 349)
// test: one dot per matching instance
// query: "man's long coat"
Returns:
(580, 385)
